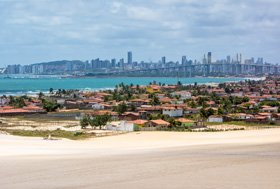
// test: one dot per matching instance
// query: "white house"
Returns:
(120, 126)
(4, 101)
(172, 112)
(97, 106)
(215, 119)
(183, 94)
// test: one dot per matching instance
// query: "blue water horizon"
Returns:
(19, 86)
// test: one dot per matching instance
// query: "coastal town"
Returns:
(156, 106)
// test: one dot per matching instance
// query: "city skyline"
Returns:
(230, 65)
(47, 30)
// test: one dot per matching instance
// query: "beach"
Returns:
(237, 159)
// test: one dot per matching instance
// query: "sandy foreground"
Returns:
(237, 159)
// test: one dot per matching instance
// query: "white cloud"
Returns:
(108, 27)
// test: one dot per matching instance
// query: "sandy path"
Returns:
(240, 159)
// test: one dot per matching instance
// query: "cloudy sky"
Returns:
(45, 30)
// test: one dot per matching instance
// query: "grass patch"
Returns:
(55, 134)
(42, 118)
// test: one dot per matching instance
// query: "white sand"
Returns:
(237, 159)
(132, 142)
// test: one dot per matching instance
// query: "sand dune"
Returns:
(238, 159)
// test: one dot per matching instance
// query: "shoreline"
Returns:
(36, 91)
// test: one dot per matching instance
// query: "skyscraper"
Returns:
(228, 59)
(209, 57)
(184, 60)
(129, 57)
(163, 60)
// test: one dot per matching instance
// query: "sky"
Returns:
(35, 31)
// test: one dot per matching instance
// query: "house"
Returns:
(120, 126)
(216, 119)
(185, 122)
(139, 102)
(238, 116)
(165, 100)
(182, 94)
(172, 111)
(4, 101)
(159, 123)
(266, 114)
(269, 109)
(258, 119)
(140, 122)
(191, 111)
(153, 89)
(150, 109)
(97, 106)
(129, 116)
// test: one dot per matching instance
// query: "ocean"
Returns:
(19, 86)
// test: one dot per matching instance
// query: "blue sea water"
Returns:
(14, 86)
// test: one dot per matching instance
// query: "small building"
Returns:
(185, 122)
(269, 109)
(172, 111)
(153, 89)
(216, 119)
(97, 106)
(189, 111)
(140, 122)
(120, 126)
(129, 116)
(159, 123)
(182, 94)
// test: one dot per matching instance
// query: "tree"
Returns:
(203, 113)
(121, 108)
(17, 102)
(50, 106)
(179, 83)
(155, 100)
(84, 122)
(221, 111)
(41, 95)
(99, 120)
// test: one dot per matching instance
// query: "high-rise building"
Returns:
(209, 57)
(184, 60)
(113, 62)
(121, 64)
(163, 60)
(204, 61)
(228, 59)
(129, 57)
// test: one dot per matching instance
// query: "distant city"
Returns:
(230, 66)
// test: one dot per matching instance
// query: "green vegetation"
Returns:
(121, 108)
(55, 134)
(50, 106)
(94, 121)
(18, 102)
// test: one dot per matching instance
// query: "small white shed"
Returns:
(120, 126)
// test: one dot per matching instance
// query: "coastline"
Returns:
(92, 84)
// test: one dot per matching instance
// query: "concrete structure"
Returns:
(120, 126)
(215, 119)
(172, 112)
